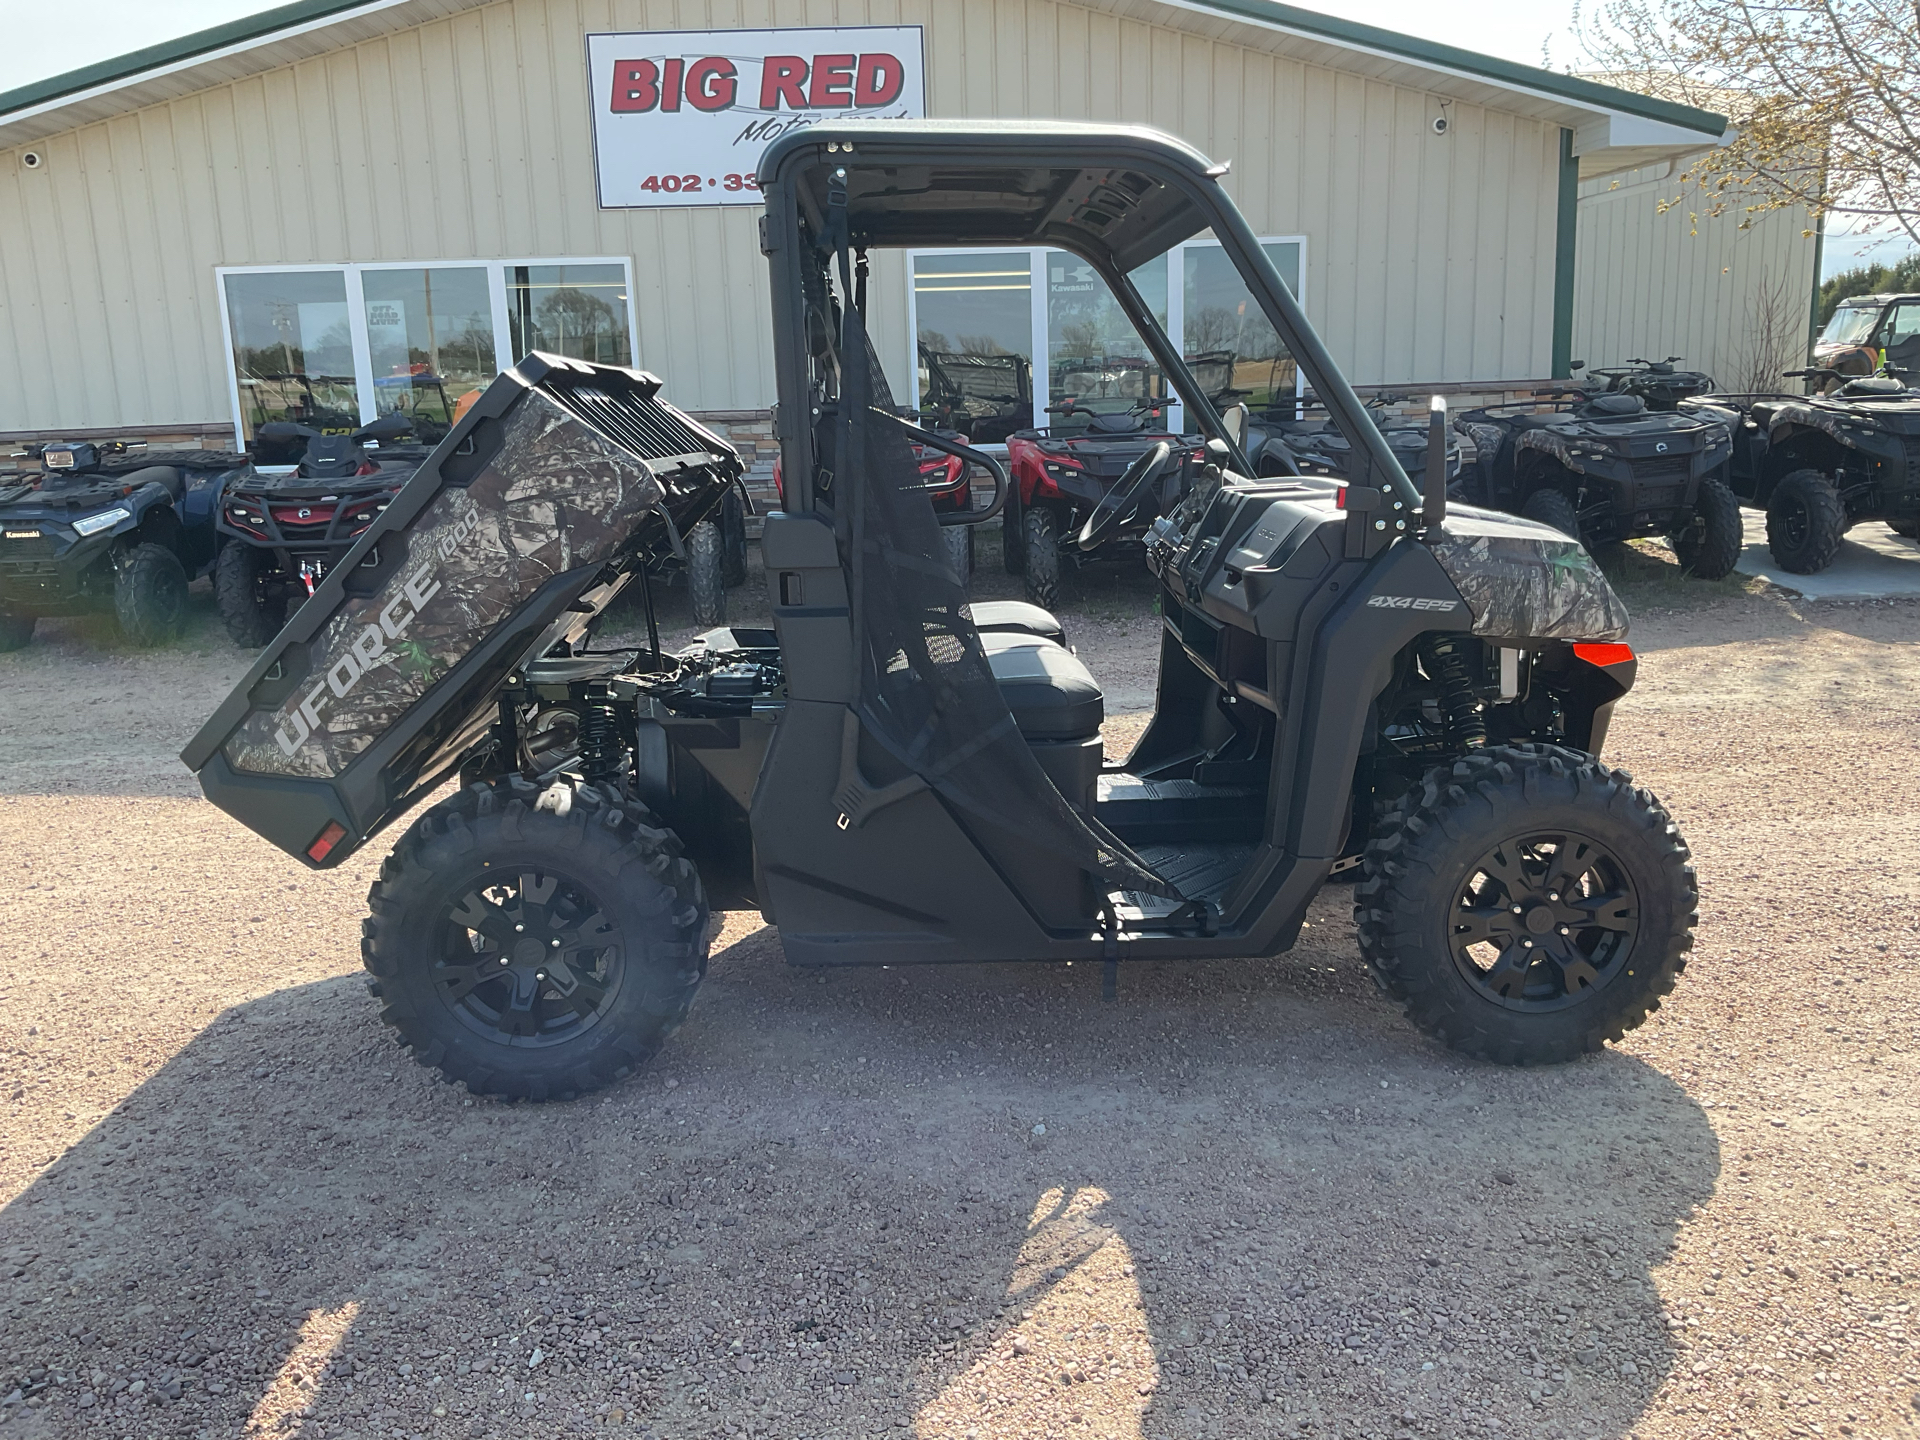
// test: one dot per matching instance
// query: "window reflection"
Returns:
(430, 333)
(973, 316)
(1094, 355)
(576, 310)
(1226, 339)
(292, 349)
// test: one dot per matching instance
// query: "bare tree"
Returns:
(1775, 337)
(1825, 95)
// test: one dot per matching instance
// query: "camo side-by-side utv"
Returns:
(1352, 675)
(107, 526)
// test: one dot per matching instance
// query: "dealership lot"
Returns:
(1241, 1200)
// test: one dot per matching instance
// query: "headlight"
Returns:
(105, 520)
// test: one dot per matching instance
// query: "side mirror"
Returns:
(1236, 418)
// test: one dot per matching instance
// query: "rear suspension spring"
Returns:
(1446, 662)
(600, 748)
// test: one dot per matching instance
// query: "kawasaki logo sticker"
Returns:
(377, 644)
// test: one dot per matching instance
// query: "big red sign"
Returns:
(680, 117)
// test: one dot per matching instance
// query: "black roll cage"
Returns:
(1116, 196)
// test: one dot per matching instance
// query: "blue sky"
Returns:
(47, 39)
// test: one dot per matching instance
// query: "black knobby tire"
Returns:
(239, 588)
(959, 540)
(1709, 547)
(1555, 508)
(150, 594)
(1600, 873)
(706, 575)
(15, 630)
(1908, 528)
(1013, 553)
(626, 906)
(1806, 521)
(733, 529)
(1040, 556)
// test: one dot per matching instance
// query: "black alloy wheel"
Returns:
(1543, 920)
(530, 959)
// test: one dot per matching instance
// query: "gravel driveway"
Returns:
(1246, 1199)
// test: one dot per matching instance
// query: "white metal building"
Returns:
(344, 205)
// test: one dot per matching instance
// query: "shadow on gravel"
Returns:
(1242, 1200)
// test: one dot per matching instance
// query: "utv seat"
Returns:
(1056, 704)
(1016, 617)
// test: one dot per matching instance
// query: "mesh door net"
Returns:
(927, 695)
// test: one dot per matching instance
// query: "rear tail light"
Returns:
(1604, 654)
(328, 838)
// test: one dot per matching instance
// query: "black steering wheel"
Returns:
(1124, 498)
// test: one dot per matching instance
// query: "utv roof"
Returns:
(1099, 190)
(1886, 299)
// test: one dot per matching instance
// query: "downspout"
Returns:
(1567, 221)
(1813, 307)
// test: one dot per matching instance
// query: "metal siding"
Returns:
(1647, 285)
(468, 137)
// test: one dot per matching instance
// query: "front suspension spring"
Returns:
(1446, 662)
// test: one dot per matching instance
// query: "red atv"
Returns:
(951, 490)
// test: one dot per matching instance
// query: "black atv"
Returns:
(1351, 676)
(104, 525)
(289, 518)
(1657, 382)
(1300, 438)
(1608, 467)
(1821, 464)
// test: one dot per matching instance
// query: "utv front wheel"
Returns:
(15, 630)
(240, 590)
(532, 944)
(1709, 547)
(706, 574)
(1040, 554)
(1527, 904)
(1806, 521)
(1555, 508)
(150, 594)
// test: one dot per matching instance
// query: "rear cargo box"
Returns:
(521, 526)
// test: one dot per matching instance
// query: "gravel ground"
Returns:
(1246, 1199)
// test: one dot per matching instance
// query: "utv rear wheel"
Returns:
(1527, 904)
(1709, 547)
(706, 575)
(240, 589)
(1040, 554)
(959, 540)
(534, 949)
(1806, 521)
(1555, 508)
(15, 630)
(150, 594)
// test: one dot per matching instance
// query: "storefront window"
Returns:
(292, 349)
(973, 321)
(336, 346)
(576, 310)
(430, 336)
(1226, 339)
(1094, 355)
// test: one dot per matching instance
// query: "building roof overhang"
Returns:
(1613, 129)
